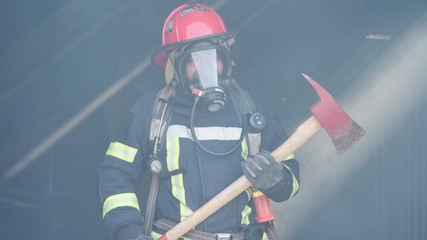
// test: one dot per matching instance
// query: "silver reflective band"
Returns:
(205, 133)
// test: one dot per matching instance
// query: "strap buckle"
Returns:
(224, 236)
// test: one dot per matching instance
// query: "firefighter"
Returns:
(197, 136)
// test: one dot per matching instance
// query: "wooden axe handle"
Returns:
(301, 135)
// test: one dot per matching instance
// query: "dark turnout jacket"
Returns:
(190, 176)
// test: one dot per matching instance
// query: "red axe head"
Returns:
(343, 131)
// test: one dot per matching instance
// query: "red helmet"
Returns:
(189, 22)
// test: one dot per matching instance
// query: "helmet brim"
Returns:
(159, 57)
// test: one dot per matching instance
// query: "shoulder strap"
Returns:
(244, 104)
(241, 99)
(271, 231)
(158, 112)
(159, 123)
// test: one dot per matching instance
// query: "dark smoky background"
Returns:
(70, 68)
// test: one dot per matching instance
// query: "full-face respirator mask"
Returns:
(205, 67)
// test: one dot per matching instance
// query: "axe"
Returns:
(343, 131)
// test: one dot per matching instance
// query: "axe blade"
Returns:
(341, 128)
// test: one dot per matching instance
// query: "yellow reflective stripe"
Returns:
(295, 184)
(247, 210)
(248, 192)
(245, 215)
(120, 200)
(122, 151)
(244, 152)
(155, 235)
(177, 181)
(257, 193)
(264, 236)
(291, 156)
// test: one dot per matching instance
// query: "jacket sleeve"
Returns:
(121, 171)
(272, 137)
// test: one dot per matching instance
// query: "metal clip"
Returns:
(224, 236)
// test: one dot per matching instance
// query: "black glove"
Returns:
(132, 232)
(262, 170)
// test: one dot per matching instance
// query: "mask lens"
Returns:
(205, 63)
(203, 68)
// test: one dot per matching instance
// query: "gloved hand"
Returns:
(262, 170)
(132, 232)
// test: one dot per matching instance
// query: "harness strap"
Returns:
(253, 142)
(151, 205)
(270, 230)
(160, 122)
(194, 234)
(158, 108)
